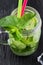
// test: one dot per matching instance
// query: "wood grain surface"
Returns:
(6, 55)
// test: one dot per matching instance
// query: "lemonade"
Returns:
(25, 41)
(24, 33)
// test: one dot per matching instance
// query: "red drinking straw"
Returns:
(23, 7)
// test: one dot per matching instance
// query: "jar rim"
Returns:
(37, 16)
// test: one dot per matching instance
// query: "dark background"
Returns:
(6, 55)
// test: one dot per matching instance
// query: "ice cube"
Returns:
(40, 59)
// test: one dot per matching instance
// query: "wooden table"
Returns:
(6, 55)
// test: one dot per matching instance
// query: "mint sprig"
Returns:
(25, 19)
(11, 21)
(14, 25)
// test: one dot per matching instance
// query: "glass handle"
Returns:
(4, 44)
(4, 38)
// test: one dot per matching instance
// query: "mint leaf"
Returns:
(25, 19)
(17, 44)
(9, 21)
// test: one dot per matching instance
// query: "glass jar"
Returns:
(30, 37)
